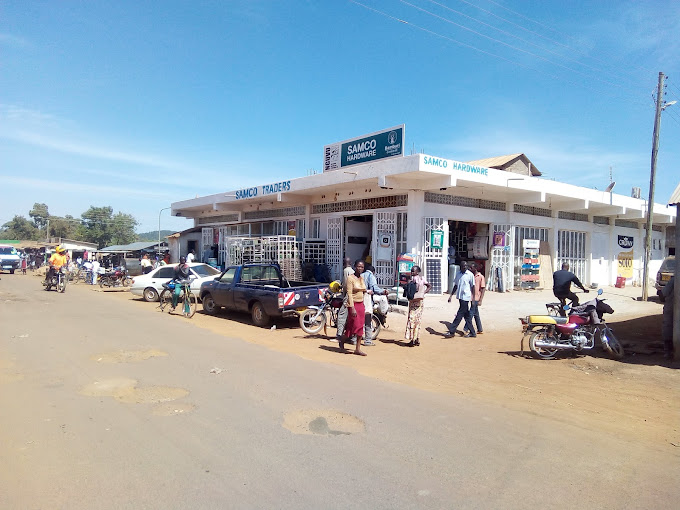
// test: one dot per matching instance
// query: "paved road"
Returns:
(105, 404)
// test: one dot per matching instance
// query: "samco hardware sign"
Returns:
(380, 145)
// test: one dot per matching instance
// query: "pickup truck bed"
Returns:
(261, 290)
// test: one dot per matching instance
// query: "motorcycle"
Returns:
(118, 276)
(57, 279)
(550, 334)
(316, 318)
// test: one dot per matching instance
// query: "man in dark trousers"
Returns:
(562, 281)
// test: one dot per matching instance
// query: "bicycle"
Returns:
(187, 299)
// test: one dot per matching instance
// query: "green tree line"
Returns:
(96, 225)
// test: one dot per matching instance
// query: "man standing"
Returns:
(347, 270)
(463, 288)
(95, 271)
(191, 257)
(372, 288)
(562, 281)
(477, 296)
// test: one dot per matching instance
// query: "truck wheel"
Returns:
(260, 317)
(209, 305)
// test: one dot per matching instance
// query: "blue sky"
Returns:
(135, 105)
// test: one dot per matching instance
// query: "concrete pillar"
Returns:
(414, 221)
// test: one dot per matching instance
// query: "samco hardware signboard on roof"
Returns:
(383, 144)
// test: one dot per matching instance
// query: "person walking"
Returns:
(355, 309)
(24, 263)
(477, 296)
(562, 281)
(462, 288)
(372, 289)
(347, 270)
(95, 271)
(415, 307)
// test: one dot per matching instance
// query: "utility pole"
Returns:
(652, 178)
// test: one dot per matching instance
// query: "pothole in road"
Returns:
(126, 390)
(323, 422)
(127, 356)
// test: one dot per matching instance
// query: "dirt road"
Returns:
(106, 403)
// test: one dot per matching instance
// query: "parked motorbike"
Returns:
(57, 279)
(316, 318)
(549, 334)
(119, 276)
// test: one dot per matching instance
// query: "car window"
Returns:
(270, 273)
(228, 276)
(204, 270)
(165, 272)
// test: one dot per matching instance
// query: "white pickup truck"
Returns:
(9, 258)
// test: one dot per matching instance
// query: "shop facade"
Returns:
(441, 212)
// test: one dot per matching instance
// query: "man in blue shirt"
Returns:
(372, 288)
(463, 289)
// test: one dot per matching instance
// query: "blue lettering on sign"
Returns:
(246, 193)
(441, 163)
(277, 187)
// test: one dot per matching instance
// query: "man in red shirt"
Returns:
(477, 296)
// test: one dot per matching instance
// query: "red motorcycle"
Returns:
(118, 276)
(549, 335)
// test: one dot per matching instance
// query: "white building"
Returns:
(423, 205)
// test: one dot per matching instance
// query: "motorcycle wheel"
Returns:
(312, 321)
(127, 281)
(376, 326)
(61, 284)
(104, 281)
(541, 352)
(611, 344)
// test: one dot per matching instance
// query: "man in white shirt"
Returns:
(191, 257)
(95, 271)
(463, 288)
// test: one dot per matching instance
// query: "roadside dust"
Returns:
(127, 356)
(637, 397)
(9, 372)
(173, 409)
(126, 390)
(324, 422)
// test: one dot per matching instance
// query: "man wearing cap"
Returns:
(57, 260)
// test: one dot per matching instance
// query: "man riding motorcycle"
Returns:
(57, 260)
(562, 281)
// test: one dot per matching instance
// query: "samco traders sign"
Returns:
(380, 145)
(265, 189)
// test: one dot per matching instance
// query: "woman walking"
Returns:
(415, 307)
(355, 287)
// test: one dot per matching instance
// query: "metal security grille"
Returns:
(433, 256)
(206, 243)
(501, 260)
(522, 233)
(364, 204)
(567, 215)
(477, 203)
(571, 248)
(626, 223)
(385, 259)
(275, 213)
(222, 246)
(402, 219)
(334, 247)
(536, 211)
(224, 218)
(601, 220)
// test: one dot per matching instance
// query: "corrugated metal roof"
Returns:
(500, 161)
(140, 245)
(675, 197)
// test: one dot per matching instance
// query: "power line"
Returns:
(472, 47)
(509, 45)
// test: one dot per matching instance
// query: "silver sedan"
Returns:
(150, 285)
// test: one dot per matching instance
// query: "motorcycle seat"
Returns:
(547, 319)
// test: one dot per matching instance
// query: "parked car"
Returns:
(261, 290)
(150, 285)
(666, 271)
(9, 258)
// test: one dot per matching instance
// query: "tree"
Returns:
(40, 215)
(64, 227)
(102, 227)
(19, 228)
